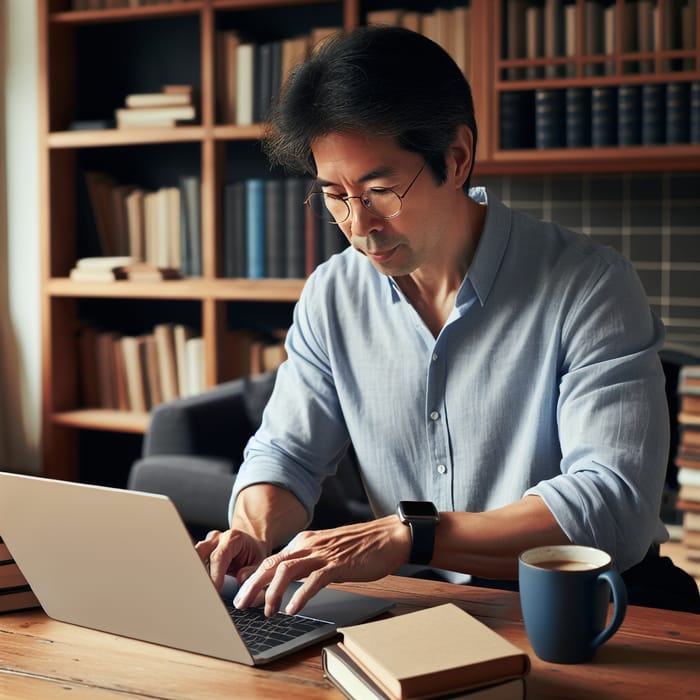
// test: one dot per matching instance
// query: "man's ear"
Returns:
(460, 155)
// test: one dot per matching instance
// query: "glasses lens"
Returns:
(328, 208)
(384, 203)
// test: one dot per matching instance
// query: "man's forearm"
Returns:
(487, 544)
(268, 513)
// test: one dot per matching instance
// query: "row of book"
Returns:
(138, 372)
(550, 29)
(687, 461)
(161, 227)
(578, 117)
(449, 27)
(268, 232)
(15, 593)
(249, 74)
(109, 4)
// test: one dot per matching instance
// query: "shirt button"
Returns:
(441, 468)
(434, 415)
(435, 357)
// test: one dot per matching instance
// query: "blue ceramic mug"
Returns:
(564, 595)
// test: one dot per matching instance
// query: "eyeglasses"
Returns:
(380, 201)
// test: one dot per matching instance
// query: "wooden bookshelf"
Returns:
(89, 60)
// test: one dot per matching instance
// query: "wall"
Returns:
(20, 328)
(653, 219)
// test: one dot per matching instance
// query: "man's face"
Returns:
(348, 164)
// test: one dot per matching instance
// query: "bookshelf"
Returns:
(90, 59)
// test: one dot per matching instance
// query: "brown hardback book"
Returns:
(434, 652)
(340, 668)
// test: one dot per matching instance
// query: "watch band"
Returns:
(422, 540)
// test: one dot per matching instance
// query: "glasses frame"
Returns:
(361, 197)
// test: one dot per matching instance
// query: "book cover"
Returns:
(164, 334)
(629, 111)
(554, 36)
(694, 127)
(550, 118)
(653, 114)
(190, 225)
(133, 353)
(235, 253)
(677, 113)
(517, 122)
(399, 652)
(578, 117)
(351, 679)
(294, 192)
(603, 116)
(275, 228)
(17, 599)
(245, 72)
(255, 228)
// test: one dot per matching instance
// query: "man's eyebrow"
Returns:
(386, 171)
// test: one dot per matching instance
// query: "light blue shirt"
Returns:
(545, 380)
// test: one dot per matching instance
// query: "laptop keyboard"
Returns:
(261, 633)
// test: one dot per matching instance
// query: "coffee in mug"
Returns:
(565, 592)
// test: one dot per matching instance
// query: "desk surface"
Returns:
(655, 655)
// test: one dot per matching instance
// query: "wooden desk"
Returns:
(655, 655)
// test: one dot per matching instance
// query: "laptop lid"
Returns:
(123, 562)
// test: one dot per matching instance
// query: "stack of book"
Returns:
(688, 463)
(15, 593)
(157, 109)
(138, 372)
(120, 267)
(438, 652)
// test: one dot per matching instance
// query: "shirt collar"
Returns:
(492, 246)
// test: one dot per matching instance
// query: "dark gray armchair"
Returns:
(194, 446)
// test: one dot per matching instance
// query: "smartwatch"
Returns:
(422, 518)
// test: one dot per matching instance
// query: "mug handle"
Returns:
(619, 594)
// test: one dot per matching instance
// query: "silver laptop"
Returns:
(123, 562)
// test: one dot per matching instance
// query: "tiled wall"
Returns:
(653, 219)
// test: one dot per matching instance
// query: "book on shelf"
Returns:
(629, 110)
(677, 112)
(397, 654)
(653, 114)
(151, 117)
(694, 128)
(550, 118)
(689, 493)
(245, 85)
(578, 117)
(148, 272)
(554, 41)
(234, 225)
(166, 108)
(255, 228)
(195, 362)
(603, 116)
(646, 33)
(190, 225)
(534, 39)
(295, 217)
(594, 35)
(133, 349)
(181, 334)
(227, 43)
(275, 228)
(517, 120)
(164, 334)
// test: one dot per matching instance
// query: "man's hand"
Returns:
(230, 552)
(360, 552)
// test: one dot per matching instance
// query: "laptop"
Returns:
(123, 562)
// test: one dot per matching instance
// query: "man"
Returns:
(498, 370)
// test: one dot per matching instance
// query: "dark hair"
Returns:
(382, 81)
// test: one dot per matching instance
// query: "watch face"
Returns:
(418, 509)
